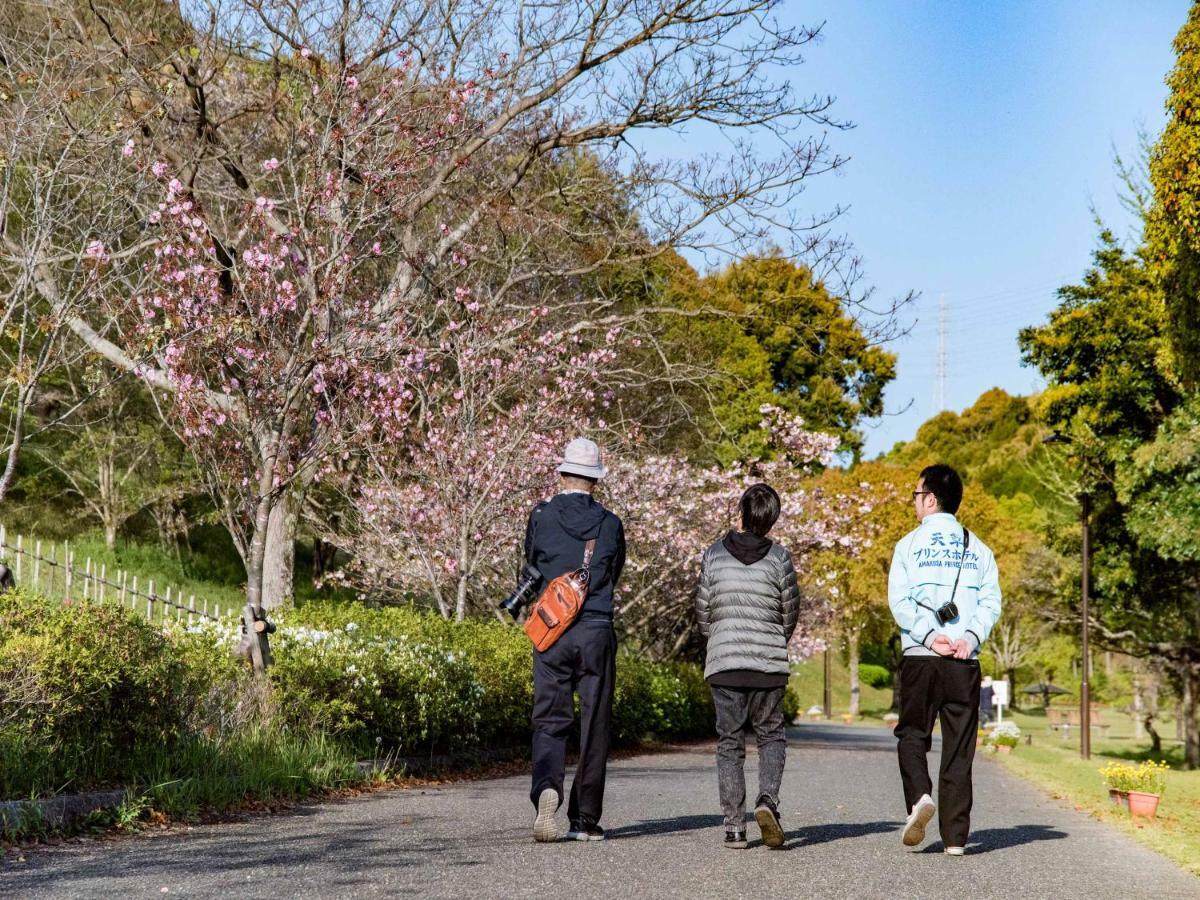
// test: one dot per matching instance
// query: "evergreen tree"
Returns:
(1173, 226)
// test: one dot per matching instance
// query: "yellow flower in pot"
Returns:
(1137, 788)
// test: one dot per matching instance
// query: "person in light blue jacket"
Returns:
(944, 593)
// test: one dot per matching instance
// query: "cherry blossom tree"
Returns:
(439, 516)
(673, 510)
(305, 190)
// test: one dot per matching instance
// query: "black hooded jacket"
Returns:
(554, 543)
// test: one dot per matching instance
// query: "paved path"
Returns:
(841, 812)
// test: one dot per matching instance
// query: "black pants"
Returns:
(947, 690)
(583, 660)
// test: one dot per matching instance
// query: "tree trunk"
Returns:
(14, 448)
(322, 558)
(279, 558)
(1139, 704)
(855, 686)
(1151, 698)
(1191, 728)
(1011, 675)
(110, 535)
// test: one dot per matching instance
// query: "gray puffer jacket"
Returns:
(747, 612)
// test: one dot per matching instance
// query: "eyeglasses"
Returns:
(917, 494)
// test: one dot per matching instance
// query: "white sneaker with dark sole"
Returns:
(545, 829)
(914, 827)
(581, 833)
(955, 851)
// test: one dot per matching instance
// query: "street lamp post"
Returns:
(1085, 700)
(828, 689)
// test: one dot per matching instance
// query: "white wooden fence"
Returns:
(40, 568)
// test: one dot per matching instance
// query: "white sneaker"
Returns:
(955, 851)
(914, 828)
(545, 829)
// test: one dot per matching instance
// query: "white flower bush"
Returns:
(1008, 729)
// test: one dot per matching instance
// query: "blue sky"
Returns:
(984, 135)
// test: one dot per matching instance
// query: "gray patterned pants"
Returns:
(737, 709)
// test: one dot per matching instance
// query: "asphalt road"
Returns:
(842, 811)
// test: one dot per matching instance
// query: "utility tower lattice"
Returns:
(942, 360)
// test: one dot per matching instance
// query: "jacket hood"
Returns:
(579, 515)
(746, 547)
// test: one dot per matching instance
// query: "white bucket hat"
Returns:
(582, 457)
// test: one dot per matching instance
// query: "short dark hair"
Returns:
(760, 509)
(943, 482)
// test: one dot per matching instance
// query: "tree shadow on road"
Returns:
(811, 835)
(665, 826)
(990, 839)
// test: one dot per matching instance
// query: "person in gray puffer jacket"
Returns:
(747, 604)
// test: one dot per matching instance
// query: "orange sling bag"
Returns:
(560, 603)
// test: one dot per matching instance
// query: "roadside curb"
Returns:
(56, 812)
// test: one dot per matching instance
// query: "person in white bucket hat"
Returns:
(583, 660)
(582, 458)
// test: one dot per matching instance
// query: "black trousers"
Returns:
(934, 688)
(584, 661)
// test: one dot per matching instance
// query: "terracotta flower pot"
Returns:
(1143, 804)
(1004, 748)
(1118, 798)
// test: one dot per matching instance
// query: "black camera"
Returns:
(525, 591)
(946, 613)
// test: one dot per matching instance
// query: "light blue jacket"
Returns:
(922, 575)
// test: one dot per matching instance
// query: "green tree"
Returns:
(770, 331)
(1173, 225)
(996, 442)
(1106, 356)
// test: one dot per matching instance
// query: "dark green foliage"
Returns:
(875, 676)
(1173, 223)
(422, 683)
(771, 333)
(791, 705)
(996, 443)
(83, 689)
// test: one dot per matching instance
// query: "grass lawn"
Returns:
(1054, 764)
(808, 681)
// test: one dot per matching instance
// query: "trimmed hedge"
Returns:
(875, 676)
(93, 695)
(83, 689)
(483, 698)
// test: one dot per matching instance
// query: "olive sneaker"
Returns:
(767, 817)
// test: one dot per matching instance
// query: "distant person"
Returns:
(986, 698)
(944, 593)
(584, 659)
(747, 604)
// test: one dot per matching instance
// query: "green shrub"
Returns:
(651, 700)
(875, 676)
(791, 705)
(83, 688)
(409, 694)
(93, 695)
